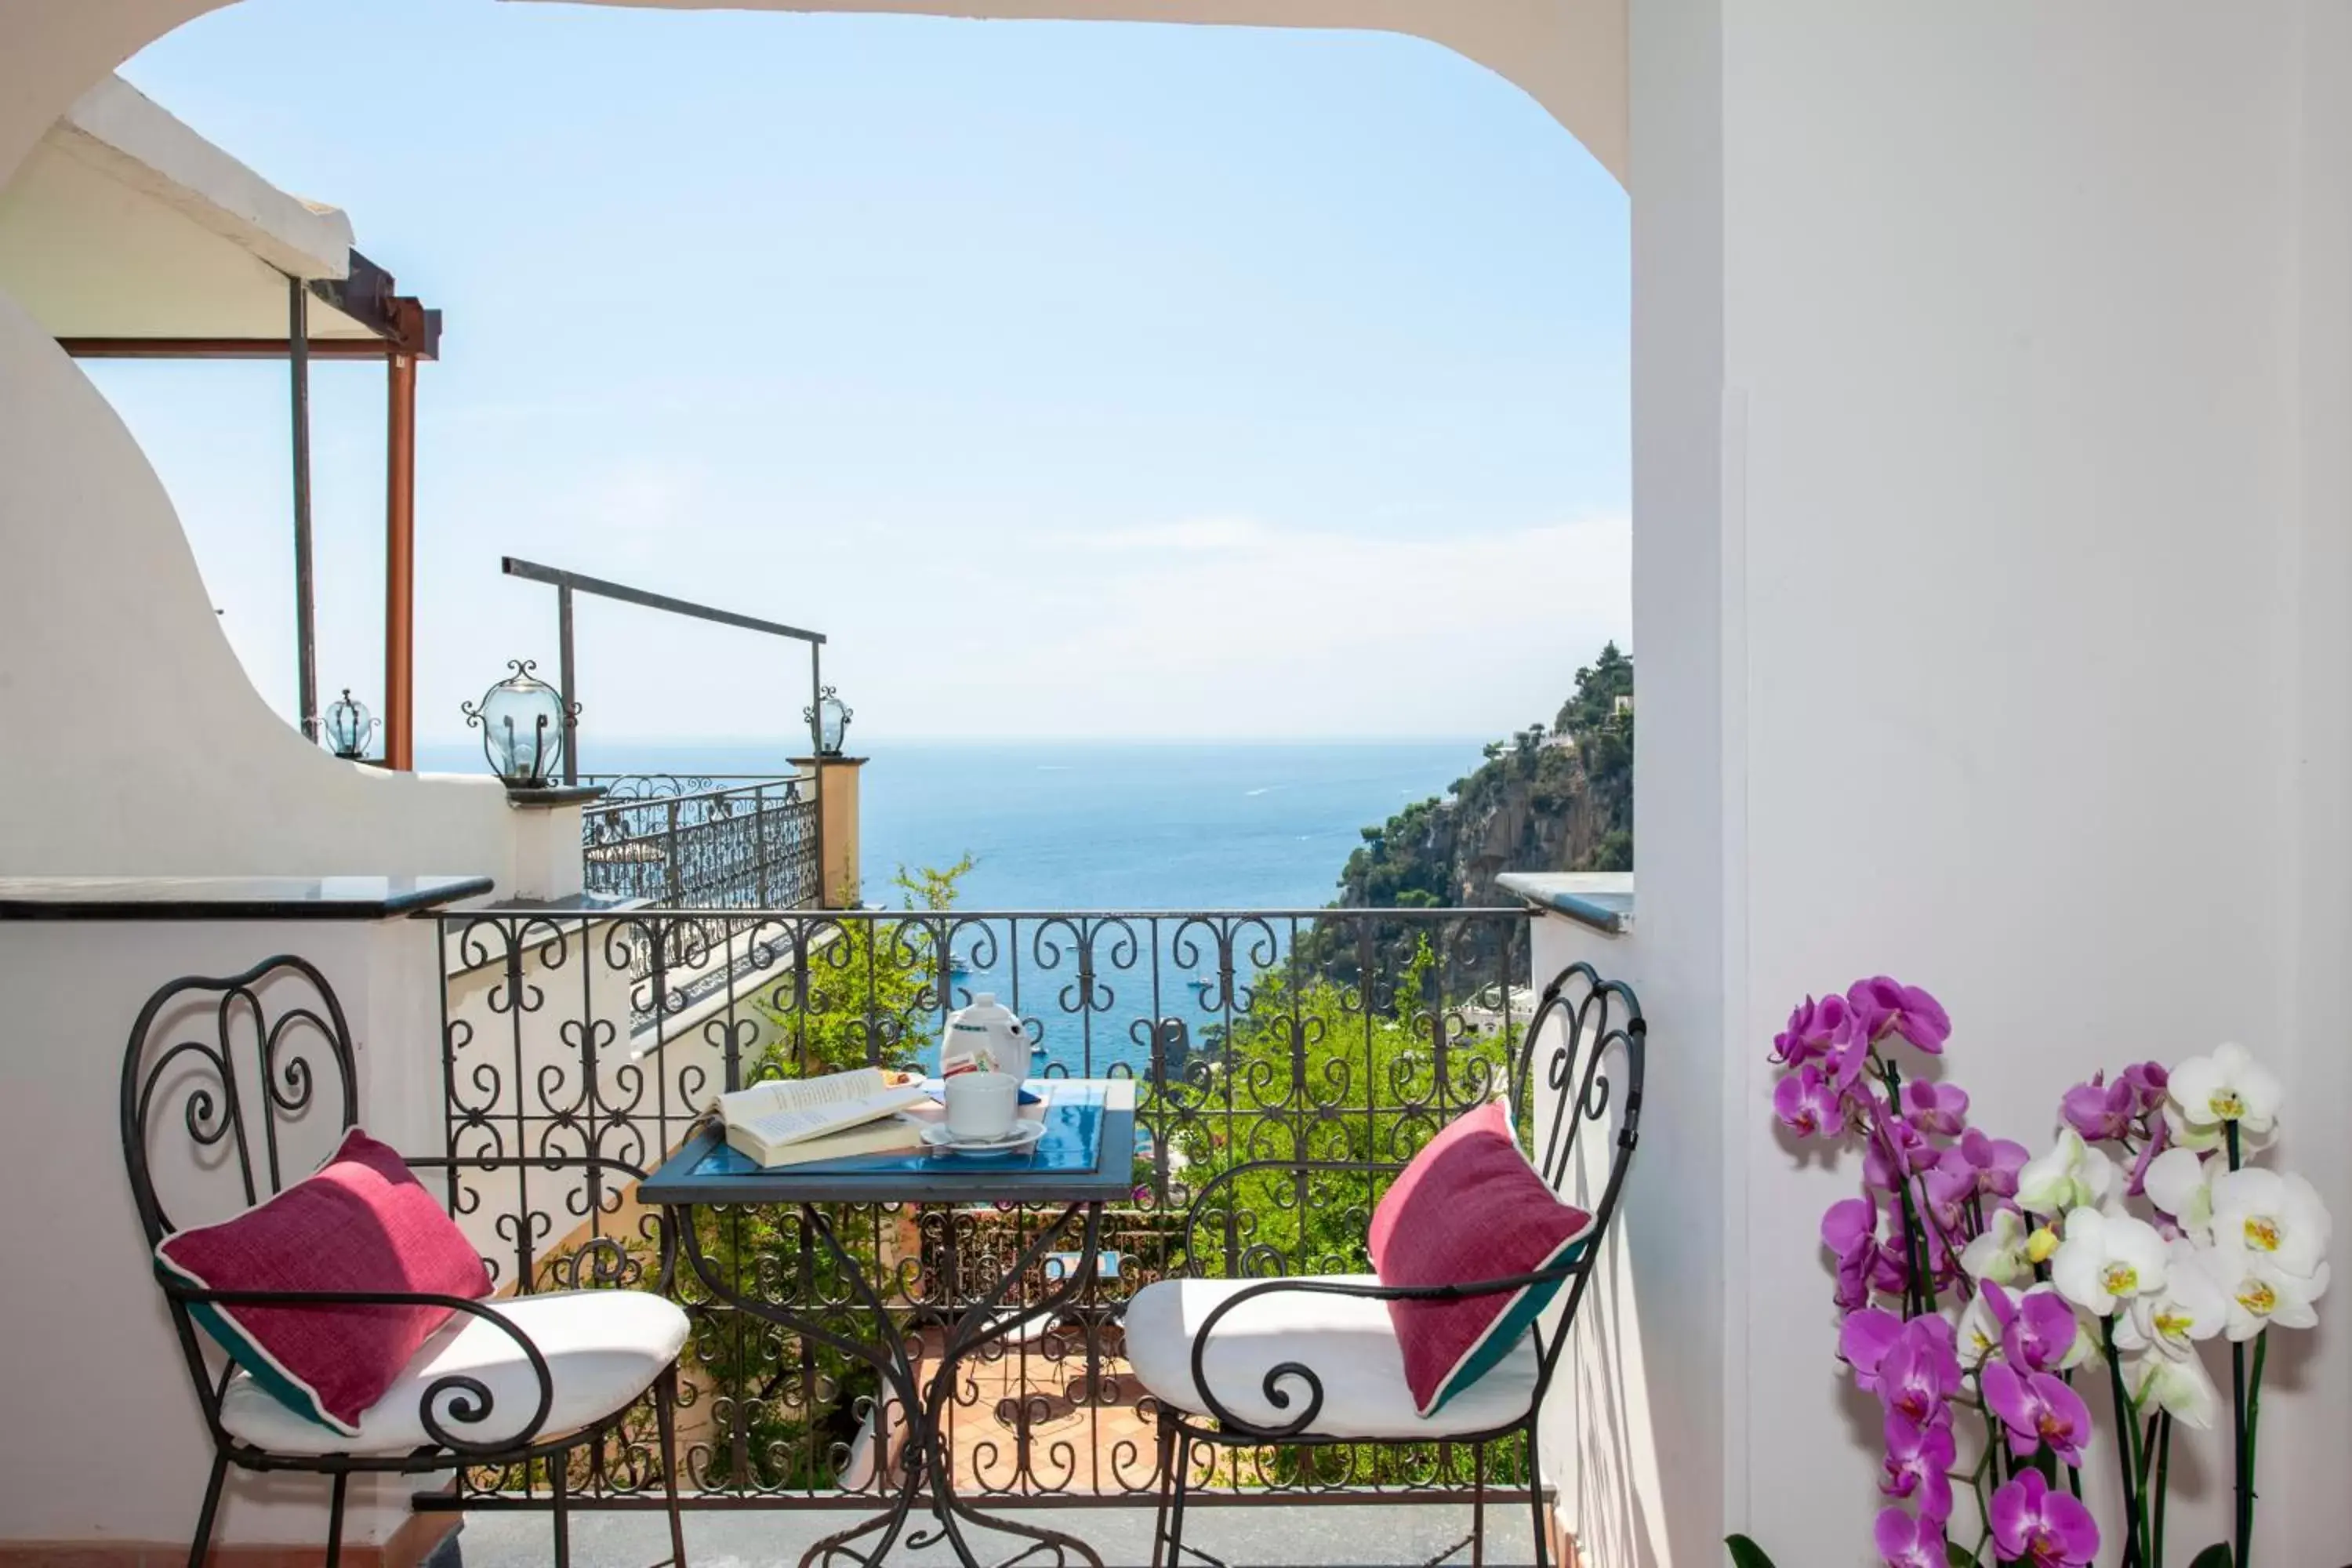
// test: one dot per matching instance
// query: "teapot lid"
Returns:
(985, 1009)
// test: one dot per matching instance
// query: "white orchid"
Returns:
(2169, 1322)
(2109, 1262)
(2278, 1217)
(2260, 1294)
(2072, 1175)
(2181, 1385)
(2180, 1183)
(1977, 1337)
(2206, 1094)
(1999, 1254)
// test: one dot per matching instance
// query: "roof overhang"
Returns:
(126, 233)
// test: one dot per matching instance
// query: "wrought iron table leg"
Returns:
(930, 1467)
(977, 1327)
(885, 1355)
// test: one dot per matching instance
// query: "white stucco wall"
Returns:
(119, 1452)
(2033, 331)
(137, 743)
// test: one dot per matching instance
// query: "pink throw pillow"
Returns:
(361, 1222)
(1469, 1207)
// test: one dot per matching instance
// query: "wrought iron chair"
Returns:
(212, 1068)
(1265, 1389)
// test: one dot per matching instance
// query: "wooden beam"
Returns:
(395, 324)
(400, 566)
(222, 348)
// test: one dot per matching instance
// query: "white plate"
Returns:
(1023, 1136)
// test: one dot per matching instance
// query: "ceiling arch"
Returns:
(1569, 54)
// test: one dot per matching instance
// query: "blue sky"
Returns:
(1074, 378)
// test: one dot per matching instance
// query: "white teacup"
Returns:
(982, 1105)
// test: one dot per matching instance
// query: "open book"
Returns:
(790, 1121)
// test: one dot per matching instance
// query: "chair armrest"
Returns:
(467, 1400)
(1272, 1388)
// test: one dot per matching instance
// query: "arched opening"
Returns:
(198, 700)
(1232, 564)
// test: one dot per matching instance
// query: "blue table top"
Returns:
(1087, 1155)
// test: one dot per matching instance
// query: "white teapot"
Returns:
(983, 1037)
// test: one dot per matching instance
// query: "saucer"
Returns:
(1020, 1141)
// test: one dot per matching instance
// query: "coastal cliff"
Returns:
(1552, 797)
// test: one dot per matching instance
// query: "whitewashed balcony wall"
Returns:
(120, 1453)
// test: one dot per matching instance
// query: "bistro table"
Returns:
(1086, 1159)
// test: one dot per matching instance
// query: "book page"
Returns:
(786, 1110)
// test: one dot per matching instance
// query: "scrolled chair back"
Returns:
(233, 1088)
(1578, 1073)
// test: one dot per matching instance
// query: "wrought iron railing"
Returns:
(1263, 1046)
(706, 842)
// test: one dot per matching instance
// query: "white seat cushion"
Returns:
(1347, 1339)
(603, 1348)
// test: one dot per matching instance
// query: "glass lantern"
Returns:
(522, 723)
(832, 726)
(348, 728)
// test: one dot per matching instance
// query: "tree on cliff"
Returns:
(1555, 797)
(1550, 798)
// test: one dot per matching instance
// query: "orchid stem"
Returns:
(2126, 1432)
(2243, 1409)
(1914, 1242)
(2252, 1407)
(2163, 1485)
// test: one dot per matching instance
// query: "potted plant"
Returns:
(1987, 1295)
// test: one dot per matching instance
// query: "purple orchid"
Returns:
(2101, 1111)
(1939, 1108)
(1907, 1542)
(1801, 1041)
(2038, 1330)
(2045, 1528)
(2037, 1408)
(2148, 1082)
(1919, 1462)
(1932, 1185)
(1808, 1104)
(1920, 1370)
(1846, 1048)
(1865, 1340)
(1993, 1162)
(1818, 1031)
(1897, 1139)
(1948, 1192)
(1886, 1006)
(1850, 1230)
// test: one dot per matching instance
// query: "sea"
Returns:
(1071, 824)
(1075, 825)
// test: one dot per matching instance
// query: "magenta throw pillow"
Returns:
(1469, 1207)
(361, 1221)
